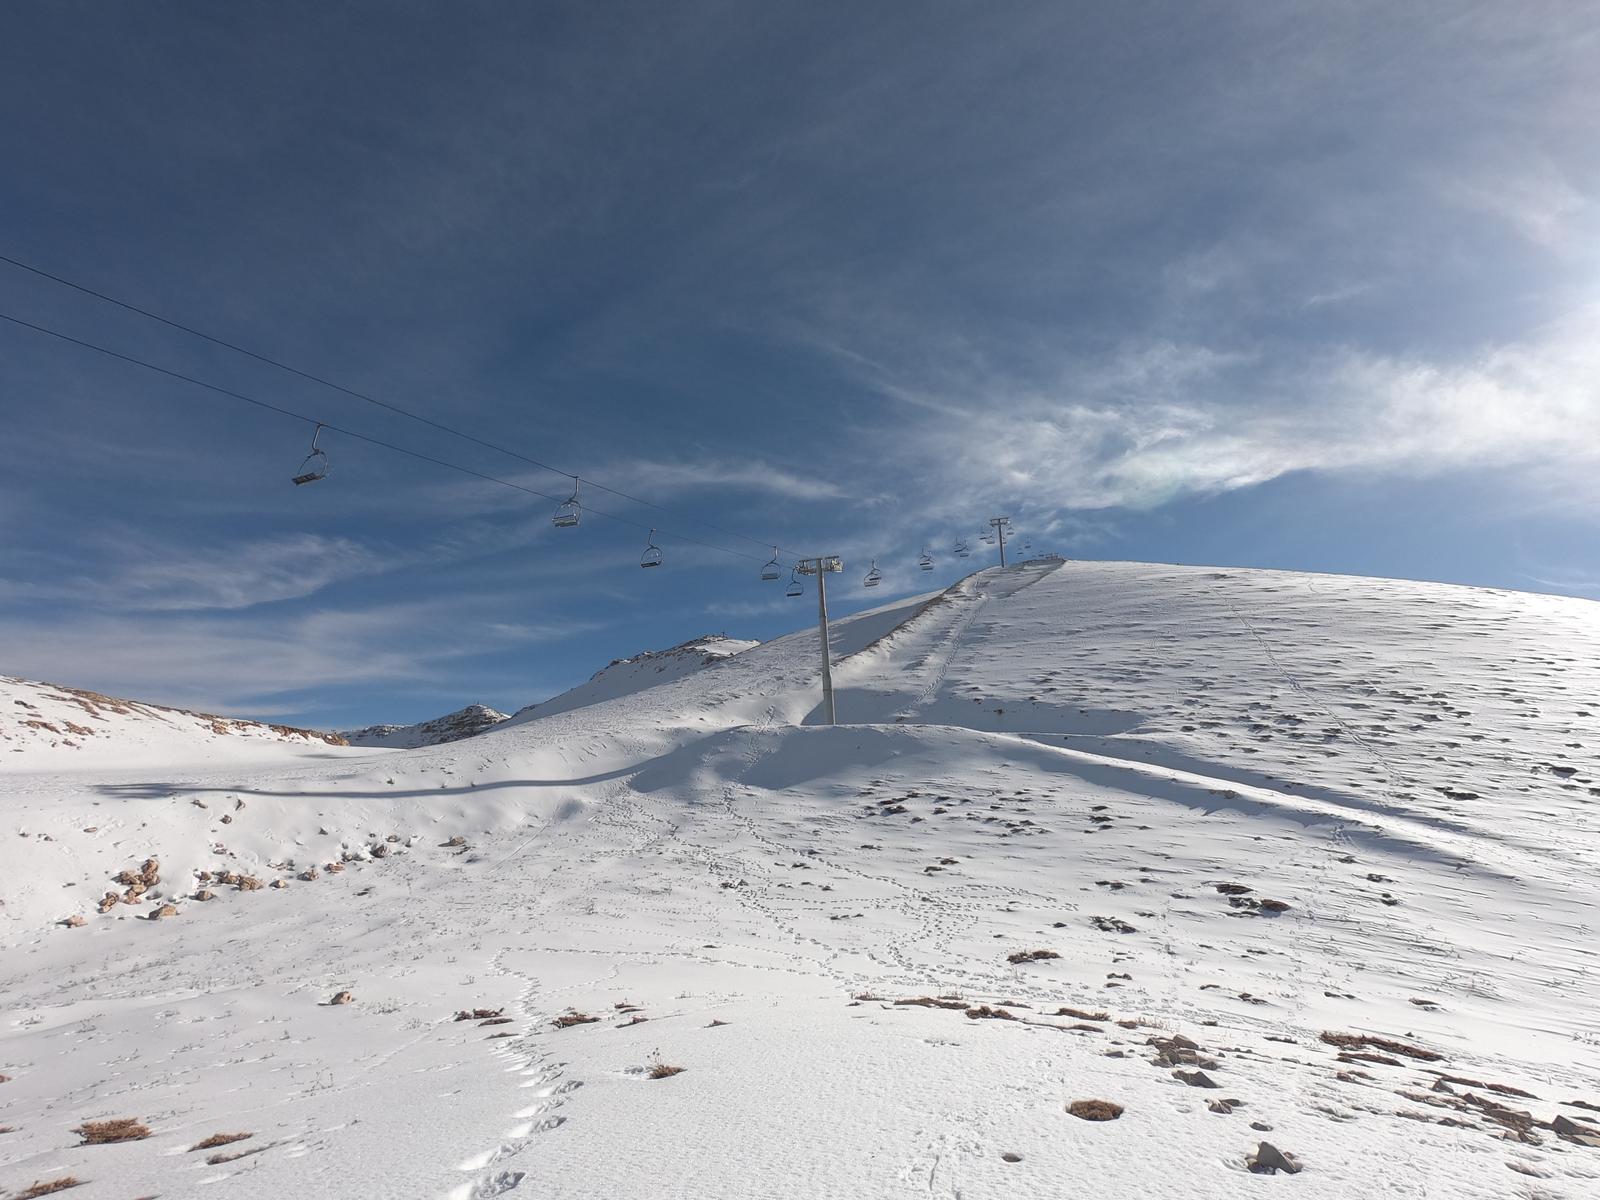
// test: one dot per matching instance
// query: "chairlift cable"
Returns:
(351, 433)
(339, 387)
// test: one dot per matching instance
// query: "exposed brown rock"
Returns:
(1095, 1110)
(342, 998)
(1269, 1160)
(1361, 1041)
(1575, 1131)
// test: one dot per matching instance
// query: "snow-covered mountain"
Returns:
(463, 723)
(618, 678)
(49, 723)
(624, 676)
(1271, 869)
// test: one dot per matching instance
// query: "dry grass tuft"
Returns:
(661, 1070)
(1082, 1014)
(118, 1129)
(1027, 956)
(216, 1160)
(478, 1014)
(568, 1020)
(931, 1002)
(1095, 1110)
(50, 1187)
(219, 1139)
(984, 1012)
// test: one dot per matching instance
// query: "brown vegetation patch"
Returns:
(983, 1012)
(478, 1014)
(219, 1139)
(118, 1129)
(1027, 956)
(216, 1160)
(49, 1187)
(931, 1002)
(1082, 1014)
(661, 1070)
(568, 1020)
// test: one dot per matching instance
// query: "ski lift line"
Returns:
(339, 387)
(360, 437)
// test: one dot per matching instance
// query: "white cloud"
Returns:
(1149, 423)
(231, 665)
(236, 576)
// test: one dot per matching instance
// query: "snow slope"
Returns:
(452, 727)
(1246, 809)
(47, 724)
(624, 676)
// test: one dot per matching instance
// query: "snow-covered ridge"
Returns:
(624, 676)
(452, 727)
(41, 721)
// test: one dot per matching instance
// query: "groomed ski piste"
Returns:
(1312, 861)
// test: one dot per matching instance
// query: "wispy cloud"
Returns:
(1147, 423)
(224, 664)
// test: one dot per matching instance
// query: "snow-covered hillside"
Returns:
(624, 676)
(49, 724)
(1251, 857)
(452, 727)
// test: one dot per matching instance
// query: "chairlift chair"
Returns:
(926, 561)
(872, 578)
(568, 512)
(795, 588)
(772, 570)
(315, 466)
(961, 550)
(652, 552)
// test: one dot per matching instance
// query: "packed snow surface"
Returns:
(1121, 833)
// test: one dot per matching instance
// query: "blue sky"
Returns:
(1297, 285)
